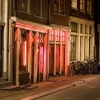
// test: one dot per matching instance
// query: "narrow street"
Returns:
(86, 91)
(71, 87)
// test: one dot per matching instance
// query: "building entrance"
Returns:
(1, 49)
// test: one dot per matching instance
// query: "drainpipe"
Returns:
(9, 40)
(5, 68)
(8, 43)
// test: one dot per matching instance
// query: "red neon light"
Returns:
(23, 53)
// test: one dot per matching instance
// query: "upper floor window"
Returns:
(59, 6)
(25, 6)
(38, 8)
(82, 5)
(73, 27)
(89, 6)
(2, 10)
(74, 4)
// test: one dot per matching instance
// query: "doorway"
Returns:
(51, 59)
(40, 57)
(1, 49)
(63, 59)
(57, 59)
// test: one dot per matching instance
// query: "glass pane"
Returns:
(23, 52)
(37, 8)
(24, 5)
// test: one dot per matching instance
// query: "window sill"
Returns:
(59, 14)
(82, 11)
(38, 16)
(26, 12)
(74, 8)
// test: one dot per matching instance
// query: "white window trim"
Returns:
(2, 10)
(90, 6)
(74, 4)
(83, 5)
(28, 8)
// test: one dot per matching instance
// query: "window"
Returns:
(57, 36)
(90, 29)
(74, 4)
(63, 37)
(38, 8)
(82, 5)
(73, 48)
(89, 6)
(25, 6)
(51, 36)
(81, 28)
(86, 29)
(1, 10)
(59, 6)
(73, 27)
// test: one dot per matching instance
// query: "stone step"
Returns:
(25, 86)
(32, 87)
(6, 84)
(11, 88)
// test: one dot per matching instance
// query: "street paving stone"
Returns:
(44, 88)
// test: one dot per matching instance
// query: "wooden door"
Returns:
(40, 57)
(1, 47)
(40, 63)
(63, 59)
(57, 59)
(51, 59)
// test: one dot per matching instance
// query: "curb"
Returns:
(59, 88)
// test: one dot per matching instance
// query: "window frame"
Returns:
(90, 29)
(59, 7)
(2, 10)
(57, 37)
(51, 37)
(82, 5)
(86, 29)
(27, 9)
(73, 48)
(38, 6)
(89, 6)
(74, 4)
(74, 27)
(63, 35)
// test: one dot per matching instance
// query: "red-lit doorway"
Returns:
(57, 59)
(51, 59)
(32, 56)
(1, 48)
(40, 57)
(63, 59)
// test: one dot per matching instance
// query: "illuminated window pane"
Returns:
(74, 4)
